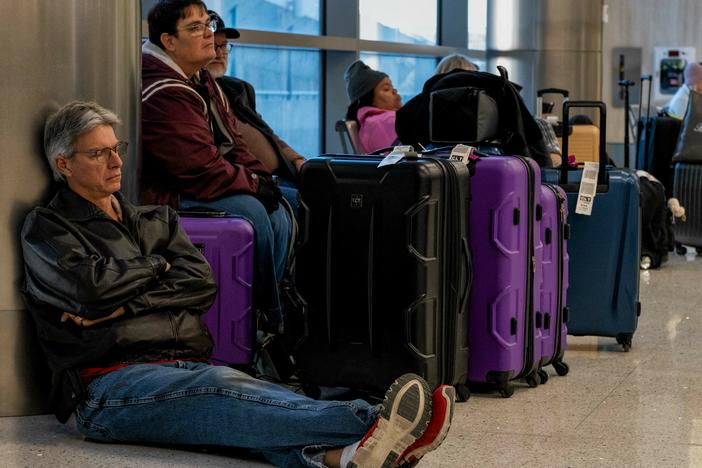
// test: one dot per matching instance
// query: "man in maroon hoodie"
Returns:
(193, 152)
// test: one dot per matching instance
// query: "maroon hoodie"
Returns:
(180, 154)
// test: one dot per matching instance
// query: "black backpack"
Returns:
(657, 238)
(517, 131)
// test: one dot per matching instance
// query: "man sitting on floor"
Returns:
(117, 292)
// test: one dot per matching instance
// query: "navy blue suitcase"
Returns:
(604, 248)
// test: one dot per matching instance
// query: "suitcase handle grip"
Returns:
(563, 92)
(602, 108)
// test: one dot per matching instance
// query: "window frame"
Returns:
(339, 44)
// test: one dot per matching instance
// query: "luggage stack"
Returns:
(505, 298)
(228, 246)
(604, 248)
(519, 232)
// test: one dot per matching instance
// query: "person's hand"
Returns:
(298, 164)
(268, 194)
(168, 267)
(81, 322)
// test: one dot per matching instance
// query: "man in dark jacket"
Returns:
(268, 147)
(193, 152)
(117, 292)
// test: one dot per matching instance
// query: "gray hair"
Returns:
(67, 124)
(455, 61)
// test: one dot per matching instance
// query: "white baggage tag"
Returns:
(397, 153)
(588, 188)
(461, 153)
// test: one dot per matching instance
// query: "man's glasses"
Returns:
(225, 48)
(102, 155)
(198, 29)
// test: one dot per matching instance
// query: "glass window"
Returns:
(287, 84)
(408, 73)
(290, 16)
(409, 21)
(477, 25)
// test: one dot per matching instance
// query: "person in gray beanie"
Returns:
(373, 103)
(677, 107)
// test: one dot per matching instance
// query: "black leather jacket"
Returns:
(80, 261)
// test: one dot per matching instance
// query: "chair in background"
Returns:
(348, 134)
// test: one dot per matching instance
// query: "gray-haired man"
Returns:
(117, 292)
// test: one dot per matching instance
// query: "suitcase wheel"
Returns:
(543, 376)
(561, 368)
(311, 391)
(680, 249)
(462, 392)
(532, 379)
(506, 391)
(625, 340)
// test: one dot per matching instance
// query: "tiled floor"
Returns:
(614, 409)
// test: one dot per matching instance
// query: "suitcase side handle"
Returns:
(602, 108)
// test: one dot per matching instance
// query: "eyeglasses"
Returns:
(102, 155)
(226, 47)
(198, 29)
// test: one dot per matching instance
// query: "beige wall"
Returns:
(646, 24)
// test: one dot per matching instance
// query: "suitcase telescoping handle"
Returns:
(540, 100)
(644, 78)
(567, 106)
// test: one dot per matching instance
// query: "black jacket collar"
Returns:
(74, 207)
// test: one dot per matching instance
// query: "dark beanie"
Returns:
(361, 79)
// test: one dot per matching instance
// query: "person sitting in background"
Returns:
(453, 62)
(374, 101)
(193, 153)
(550, 140)
(273, 152)
(117, 292)
(677, 107)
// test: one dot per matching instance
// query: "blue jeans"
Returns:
(188, 403)
(272, 236)
(289, 191)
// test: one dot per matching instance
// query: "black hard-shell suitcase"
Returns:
(662, 139)
(385, 269)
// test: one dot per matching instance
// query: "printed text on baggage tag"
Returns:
(461, 153)
(588, 189)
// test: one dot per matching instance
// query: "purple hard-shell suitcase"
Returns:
(554, 236)
(228, 246)
(505, 193)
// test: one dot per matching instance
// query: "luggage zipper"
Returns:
(560, 224)
(451, 195)
(529, 364)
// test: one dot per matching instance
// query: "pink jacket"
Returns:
(376, 128)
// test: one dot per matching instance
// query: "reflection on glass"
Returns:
(408, 73)
(409, 21)
(287, 84)
(477, 24)
(291, 16)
